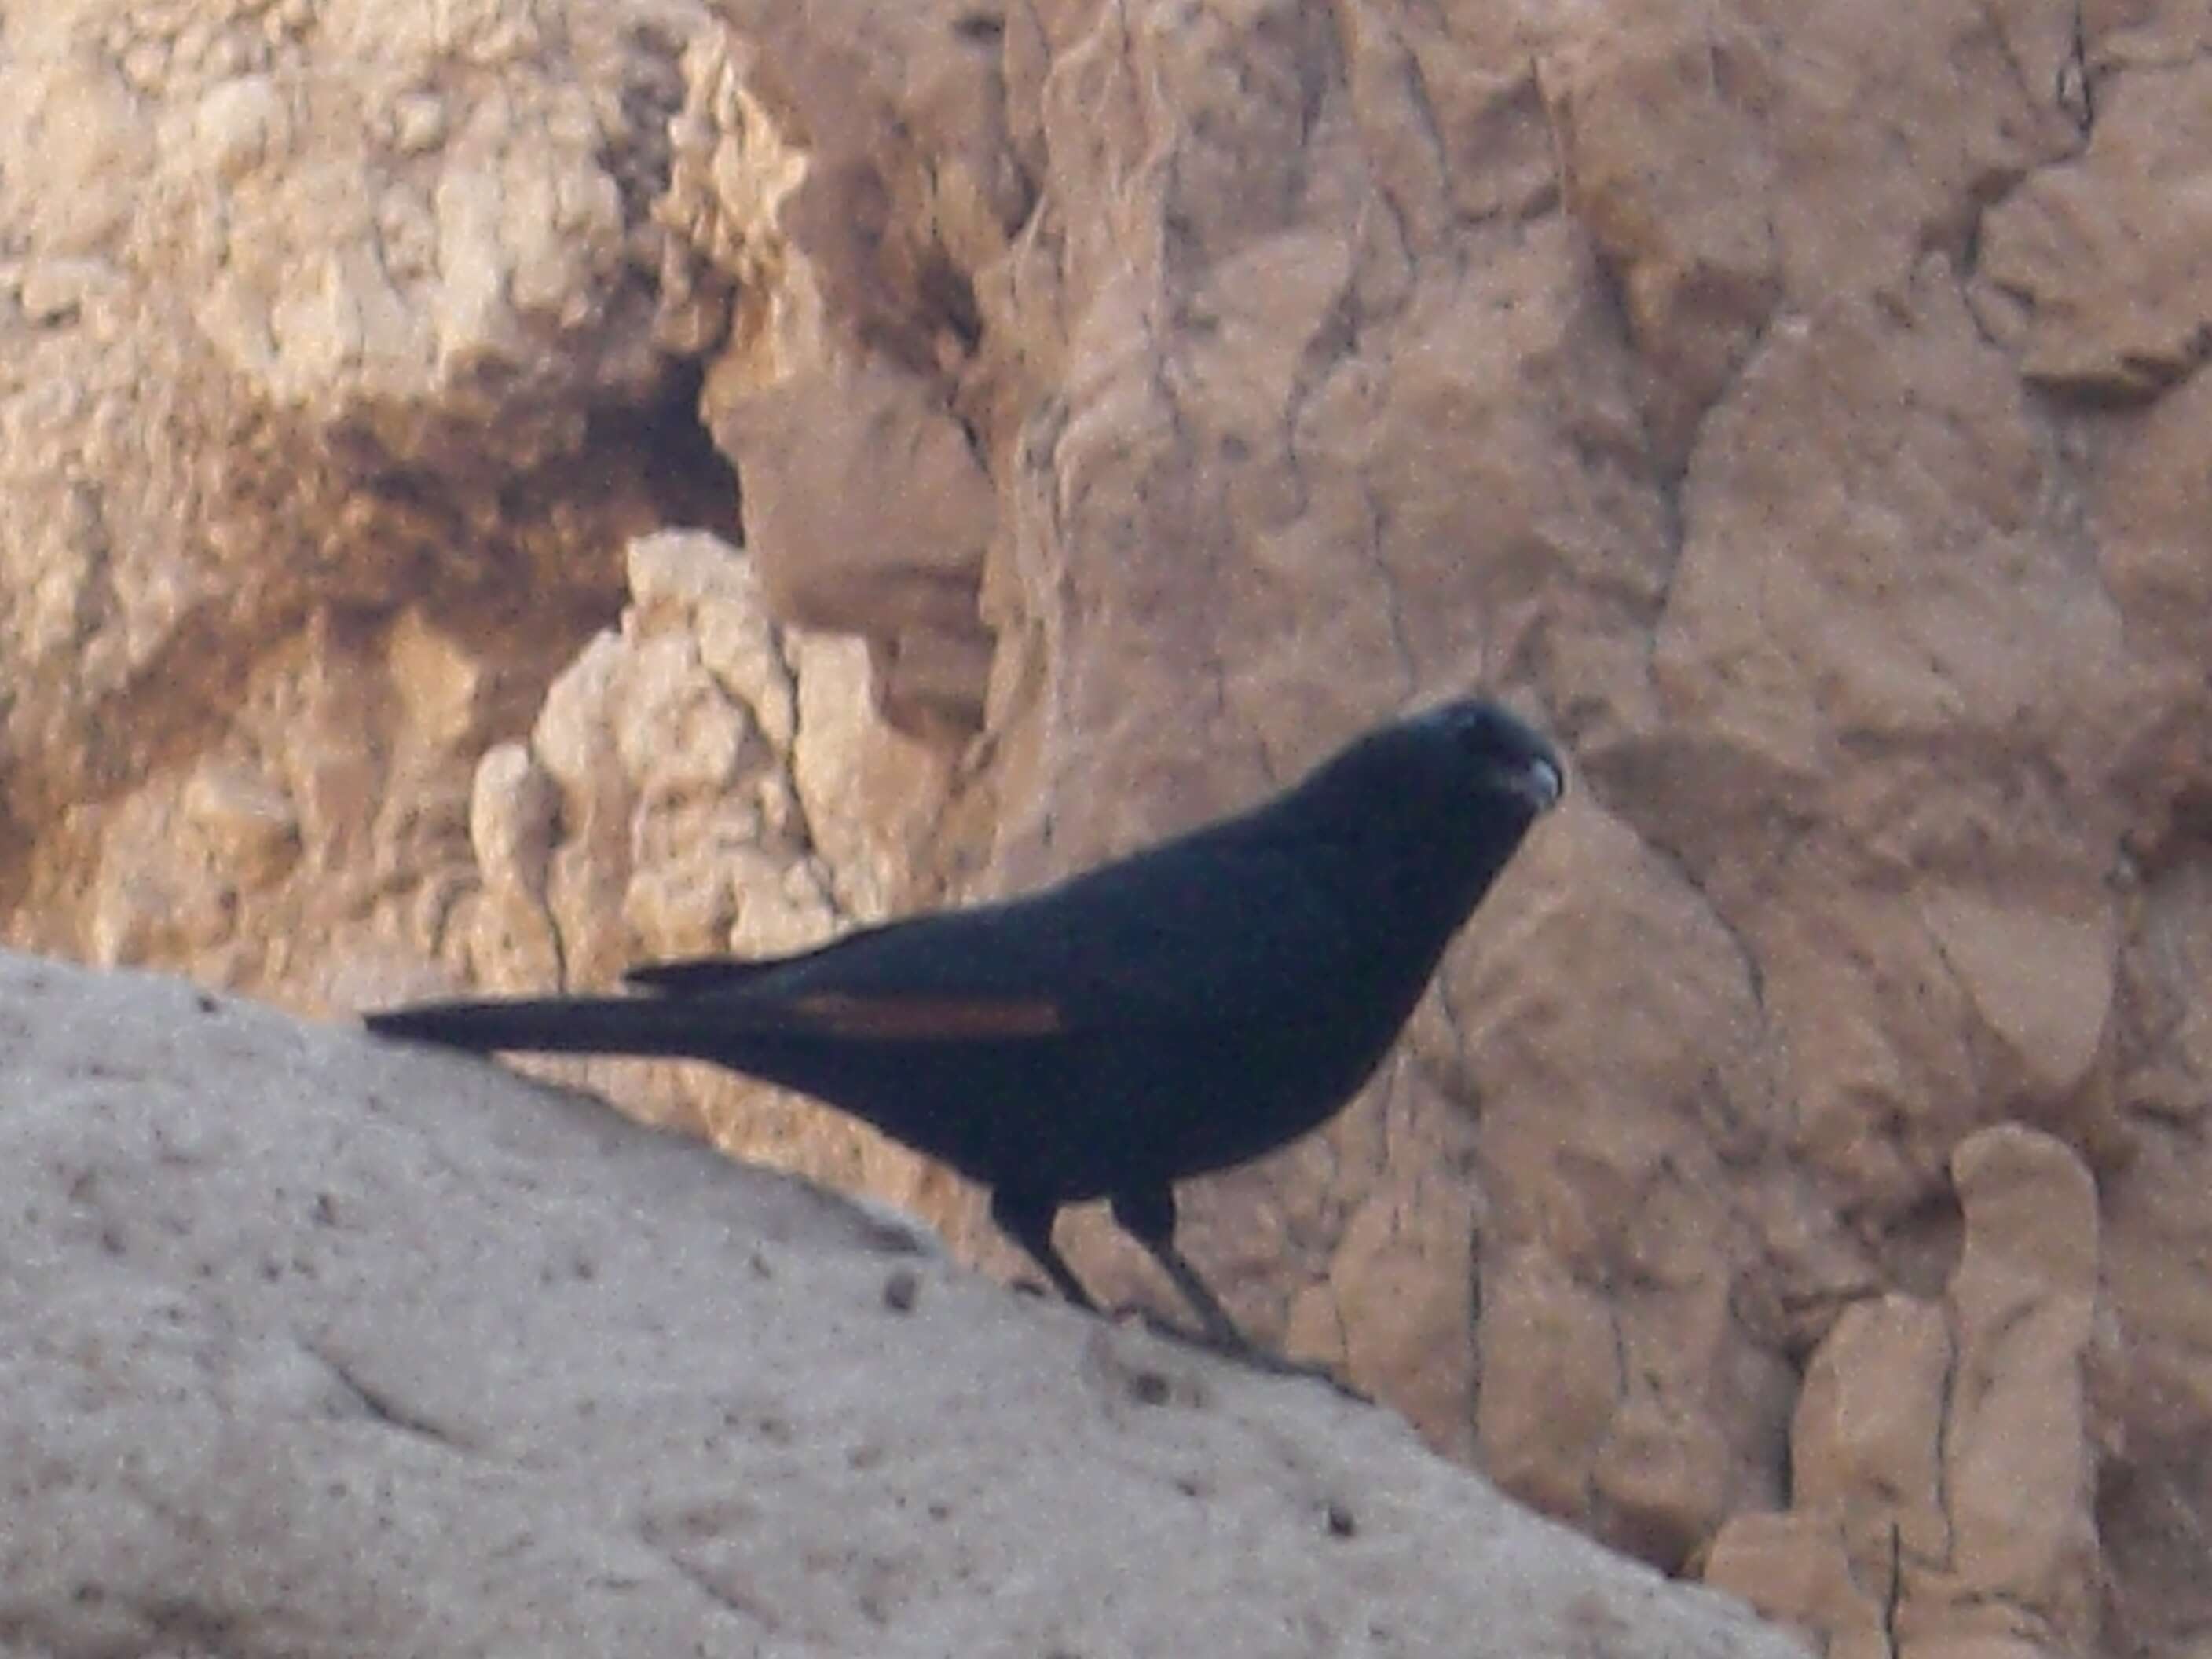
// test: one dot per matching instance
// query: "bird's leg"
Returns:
(1149, 1216)
(1027, 1219)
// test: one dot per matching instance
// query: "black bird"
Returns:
(1180, 1011)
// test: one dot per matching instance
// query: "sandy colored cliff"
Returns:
(494, 492)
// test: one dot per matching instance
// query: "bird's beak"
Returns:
(1539, 783)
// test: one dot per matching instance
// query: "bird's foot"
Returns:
(1242, 1349)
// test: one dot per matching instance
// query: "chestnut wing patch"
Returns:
(921, 1016)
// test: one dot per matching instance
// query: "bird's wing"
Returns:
(1196, 933)
(925, 977)
(696, 976)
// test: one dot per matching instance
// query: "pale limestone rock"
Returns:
(239, 125)
(341, 1348)
(513, 815)
(1550, 1380)
(385, 301)
(1799, 410)
(1943, 1454)
(899, 555)
(152, 892)
(2041, 983)
(1889, 132)
(1796, 1569)
(573, 740)
(872, 508)
(654, 815)
(870, 797)
(2148, 509)
(1663, 158)
(1835, 660)
(2151, 1389)
(2110, 254)
(716, 595)
(1868, 1426)
(1630, 1182)
(254, 414)
(438, 679)
(676, 733)
(248, 823)
(2018, 1464)
(1401, 1257)
(513, 812)
(728, 275)
(67, 290)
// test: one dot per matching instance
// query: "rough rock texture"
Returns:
(697, 780)
(313, 1346)
(1941, 1453)
(1803, 410)
(334, 376)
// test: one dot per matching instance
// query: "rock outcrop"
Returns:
(1804, 412)
(315, 1347)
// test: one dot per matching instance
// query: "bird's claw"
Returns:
(1241, 1349)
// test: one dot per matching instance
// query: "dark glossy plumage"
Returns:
(1180, 1011)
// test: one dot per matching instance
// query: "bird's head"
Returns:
(1494, 753)
(1450, 791)
(1466, 775)
(1426, 810)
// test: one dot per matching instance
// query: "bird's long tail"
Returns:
(597, 1025)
